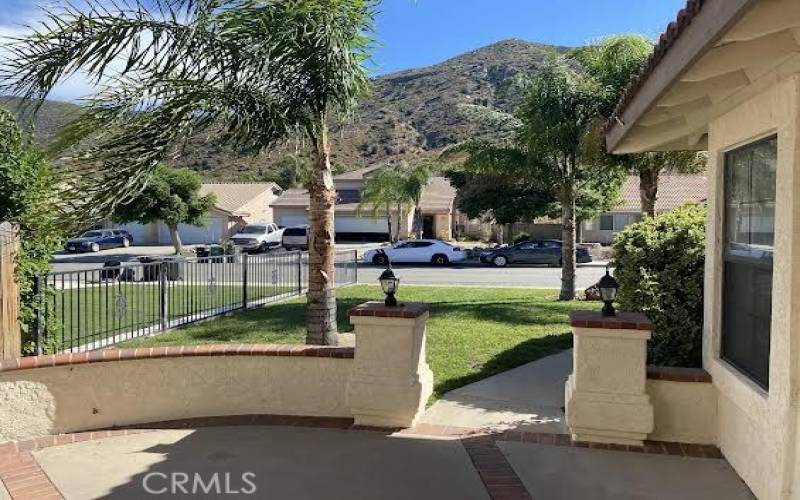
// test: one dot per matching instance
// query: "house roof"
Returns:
(438, 197)
(714, 57)
(232, 197)
(674, 190)
(357, 175)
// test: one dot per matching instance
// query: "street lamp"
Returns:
(390, 283)
(608, 293)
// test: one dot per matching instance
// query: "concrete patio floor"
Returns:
(309, 463)
(563, 473)
(286, 463)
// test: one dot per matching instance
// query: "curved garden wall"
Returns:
(86, 391)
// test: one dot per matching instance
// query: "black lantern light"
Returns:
(608, 292)
(390, 283)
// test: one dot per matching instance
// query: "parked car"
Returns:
(295, 238)
(533, 252)
(258, 237)
(99, 239)
(420, 251)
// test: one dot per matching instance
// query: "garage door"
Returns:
(361, 225)
(290, 220)
(193, 235)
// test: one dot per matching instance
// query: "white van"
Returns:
(295, 238)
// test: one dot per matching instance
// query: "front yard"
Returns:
(473, 333)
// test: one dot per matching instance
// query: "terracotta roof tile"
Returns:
(673, 191)
(664, 44)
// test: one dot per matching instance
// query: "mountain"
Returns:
(409, 114)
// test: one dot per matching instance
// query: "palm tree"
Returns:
(416, 179)
(251, 72)
(613, 61)
(382, 192)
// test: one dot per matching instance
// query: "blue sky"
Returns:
(422, 32)
(412, 33)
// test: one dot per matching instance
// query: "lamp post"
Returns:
(389, 283)
(608, 292)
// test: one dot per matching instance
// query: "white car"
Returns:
(258, 237)
(419, 251)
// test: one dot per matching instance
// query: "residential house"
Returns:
(237, 204)
(673, 191)
(437, 206)
(726, 78)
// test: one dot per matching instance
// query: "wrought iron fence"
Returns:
(91, 309)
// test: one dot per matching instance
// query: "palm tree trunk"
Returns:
(399, 220)
(321, 314)
(175, 236)
(648, 189)
(389, 222)
(568, 233)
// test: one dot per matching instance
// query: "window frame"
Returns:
(753, 263)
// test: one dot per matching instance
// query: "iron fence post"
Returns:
(299, 273)
(164, 294)
(37, 321)
(245, 258)
(355, 267)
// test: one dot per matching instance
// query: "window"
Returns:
(606, 222)
(421, 244)
(749, 245)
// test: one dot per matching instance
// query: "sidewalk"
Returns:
(528, 398)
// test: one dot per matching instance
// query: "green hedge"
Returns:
(659, 266)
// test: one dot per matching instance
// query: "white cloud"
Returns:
(13, 22)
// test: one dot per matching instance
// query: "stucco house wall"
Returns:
(756, 428)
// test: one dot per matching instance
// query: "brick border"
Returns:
(107, 355)
(622, 321)
(499, 477)
(24, 479)
(675, 374)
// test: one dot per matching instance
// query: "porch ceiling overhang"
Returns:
(710, 61)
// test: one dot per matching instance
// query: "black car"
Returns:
(99, 239)
(533, 252)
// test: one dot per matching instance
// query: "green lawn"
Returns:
(473, 333)
(99, 311)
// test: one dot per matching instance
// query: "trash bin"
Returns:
(211, 254)
(173, 267)
(150, 268)
(110, 270)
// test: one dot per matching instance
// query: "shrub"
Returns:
(27, 199)
(659, 266)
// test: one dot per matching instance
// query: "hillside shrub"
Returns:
(659, 266)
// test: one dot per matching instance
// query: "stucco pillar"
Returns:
(391, 381)
(606, 400)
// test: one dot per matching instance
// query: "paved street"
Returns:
(479, 275)
(468, 274)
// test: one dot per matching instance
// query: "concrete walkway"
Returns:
(528, 398)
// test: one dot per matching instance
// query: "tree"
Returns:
(613, 61)
(172, 196)
(416, 178)
(29, 200)
(252, 72)
(382, 192)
